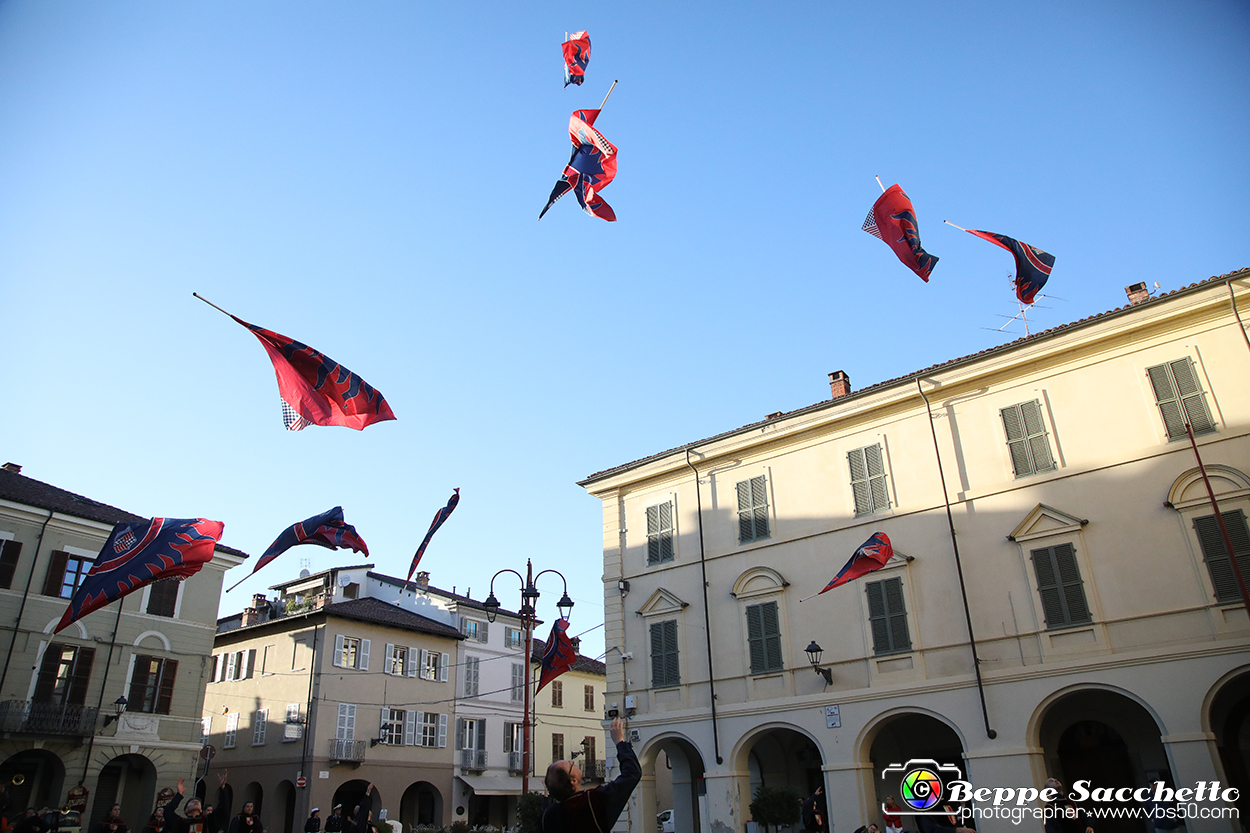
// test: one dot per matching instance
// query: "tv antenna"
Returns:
(1023, 310)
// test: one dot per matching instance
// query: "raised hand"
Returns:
(182, 786)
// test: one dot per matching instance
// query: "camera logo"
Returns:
(923, 784)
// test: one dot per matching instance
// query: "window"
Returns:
(470, 733)
(392, 730)
(1216, 554)
(65, 573)
(434, 665)
(1026, 439)
(512, 638)
(163, 597)
(588, 698)
(350, 652)
(868, 484)
(557, 694)
(588, 744)
(473, 629)
(268, 667)
(1059, 584)
(298, 648)
(260, 722)
(887, 616)
(345, 729)
(1180, 397)
(232, 730)
(397, 661)
(293, 728)
(64, 675)
(206, 729)
(240, 665)
(664, 668)
(9, 551)
(470, 676)
(518, 682)
(660, 531)
(152, 685)
(752, 510)
(557, 747)
(512, 738)
(429, 729)
(764, 638)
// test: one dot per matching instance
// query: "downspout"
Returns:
(963, 591)
(707, 614)
(22, 607)
(1233, 297)
(308, 712)
(1219, 520)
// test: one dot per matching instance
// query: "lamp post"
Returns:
(119, 708)
(814, 653)
(529, 596)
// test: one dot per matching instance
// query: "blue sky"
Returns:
(366, 178)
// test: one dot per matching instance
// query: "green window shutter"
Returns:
(664, 668)
(659, 534)
(1216, 556)
(752, 510)
(1060, 587)
(867, 466)
(859, 481)
(876, 478)
(1179, 396)
(1026, 439)
(1070, 583)
(672, 673)
(9, 553)
(877, 617)
(896, 613)
(772, 637)
(755, 638)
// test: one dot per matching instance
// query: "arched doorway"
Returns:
(284, 795)
(128, 780)
(679, 784)
(422, 803)
(349, 795)
(1230, 723)
(777, 757)
(905, 737)
(254, 793)
(1106, 738)
(43, 780)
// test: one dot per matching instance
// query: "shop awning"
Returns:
(492, 784)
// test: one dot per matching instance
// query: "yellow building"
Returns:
(568, 718)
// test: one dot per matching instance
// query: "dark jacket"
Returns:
(111, 825)
(334, 823)
(206, 823)
(246, 824)
(596, 811)
(313, 825)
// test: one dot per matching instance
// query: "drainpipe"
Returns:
(308, 721)
(22, 607)
(963, 591)
(1233, 297)
(707, 615)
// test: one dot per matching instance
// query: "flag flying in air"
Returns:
(439, 518)
(591, 167)
(140, 553)
(576, 56)
(1032, 264)
(867, 559)
(559, 656)
(893, 221)
(326, 530)
(317, 390)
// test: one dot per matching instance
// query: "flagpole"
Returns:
(211, 304)
(879, 183)
(610, 89)
(240, 581)
(949, 223)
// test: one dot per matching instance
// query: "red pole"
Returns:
(1219, 519)
(528, 619)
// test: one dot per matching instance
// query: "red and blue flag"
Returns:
(440, 517)
(326, 530)
(867, 559)
(317, 390)
(576, 56)
(559, 656)
(140, 553)
(893, 221)
(590, 169)
(1032, 264)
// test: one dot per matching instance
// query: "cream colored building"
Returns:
(56, 691)
(1112, 639)
(339, 693)
(568, 718)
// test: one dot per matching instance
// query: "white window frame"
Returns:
(260, 726)
(345, 728)
(472, 679)
(232, 731)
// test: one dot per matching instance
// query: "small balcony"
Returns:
(593, 770)
(472, 760)
(31, 718)
(346, 751)
(516, 765)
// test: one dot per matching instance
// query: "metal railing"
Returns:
(516, 765)
(472, 760)
(346, 750)
(594, 770)
(29, 717)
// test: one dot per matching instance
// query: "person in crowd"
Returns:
(156, 822)
(334, 824)
(199, 819)
(1063, 816)
(30, 822)
(813, 812)
(586, 811)
(891, 816)
(313, 825)
(112, 821)
(247, 821)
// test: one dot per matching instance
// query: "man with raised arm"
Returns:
(590, 811)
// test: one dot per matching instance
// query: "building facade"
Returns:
(1073, 612)
(59, 694)
(339, 695)
(568, 719)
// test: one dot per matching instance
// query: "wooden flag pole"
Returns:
(219, 309)
(949, 223)
(605, 98)
(879, 183)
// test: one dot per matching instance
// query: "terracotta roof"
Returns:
(30, 492)
(384, 613)
(582, 663)
(910, 377)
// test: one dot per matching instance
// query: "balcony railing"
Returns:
(594, 770)
(347, 750)
(516, 766)
(472, 760)
(28, 717)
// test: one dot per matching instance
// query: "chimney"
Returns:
(577, 644)
(252, 615)
(1137, 293)
(13, 467)
(839, 384)
(773, 415)
(423, 579)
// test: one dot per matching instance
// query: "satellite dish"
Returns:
(344, 581)
(304, 574)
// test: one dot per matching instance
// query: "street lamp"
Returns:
(529, 597)
(814, 652)
(119, 706)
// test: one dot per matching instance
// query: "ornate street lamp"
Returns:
(119, 706)
(814, 652)
(529, 598)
